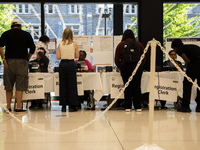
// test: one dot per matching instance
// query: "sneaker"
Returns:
(19, 110)
(184, 109)
(138, 110)
(128, 110)
(198, 108)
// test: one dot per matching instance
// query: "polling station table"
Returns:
(89, 80)
(40, 83)
(167, 84)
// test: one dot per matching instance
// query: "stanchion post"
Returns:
(150, 145)
(151, 101)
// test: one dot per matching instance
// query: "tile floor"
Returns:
(116, 130)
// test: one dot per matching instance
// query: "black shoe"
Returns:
(40, 107)
(10, 110)
(198, 108)
(72, 108)
(19, 110)
(32, 106)
(63, 108)
(184, 109)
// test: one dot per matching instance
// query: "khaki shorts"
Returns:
(17, 73)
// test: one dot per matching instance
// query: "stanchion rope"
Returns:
(92, 121)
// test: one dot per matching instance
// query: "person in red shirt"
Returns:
(133, 91)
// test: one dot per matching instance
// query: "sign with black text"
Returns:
(35, 89)
(80, 85)
(165, 89)
(116, 86)
(56, 84)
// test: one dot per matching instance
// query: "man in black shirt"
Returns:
(16, 42)
(191, 56)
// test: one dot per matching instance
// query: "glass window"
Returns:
(50, 9)
(20, 9)
(130, 18)
(78, 8)
(72, 9)
(180, 20)
(26, 9)
(132, 9)
(85, 21)
(127, 8)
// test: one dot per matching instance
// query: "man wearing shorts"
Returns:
(16, 42)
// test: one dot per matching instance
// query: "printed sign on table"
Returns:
(56, 84)
(165, 89)
(35, 89)
(116, 86)
(80, 85)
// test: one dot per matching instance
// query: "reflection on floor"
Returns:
(116, 130)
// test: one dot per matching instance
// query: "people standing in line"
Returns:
(43, 42)
(68, 50)
(16, 42)
(133, 91)
(191, 55)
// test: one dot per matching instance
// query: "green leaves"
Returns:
(176, 21)
(6, 16)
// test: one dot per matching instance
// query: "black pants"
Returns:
(193, 71)
(84, 97)
(133, 91)
(68, 83)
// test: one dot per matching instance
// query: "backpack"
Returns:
(131, 52)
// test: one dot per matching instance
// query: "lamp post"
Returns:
(107, 13)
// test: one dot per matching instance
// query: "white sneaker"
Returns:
(138, 110)
(127, 110)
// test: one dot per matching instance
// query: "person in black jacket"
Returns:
(42, 62)
(191, 55)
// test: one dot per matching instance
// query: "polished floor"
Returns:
(116, 130)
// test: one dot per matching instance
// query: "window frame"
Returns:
(23, 9)
(71, 25)
(47, 9)
(75, 9)
(31, 29)
(130, 9)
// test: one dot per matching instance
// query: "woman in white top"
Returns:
(68, 50)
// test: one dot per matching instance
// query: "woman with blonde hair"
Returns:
(68, 50)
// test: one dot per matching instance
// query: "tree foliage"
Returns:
(6, 17)
(176, 22)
